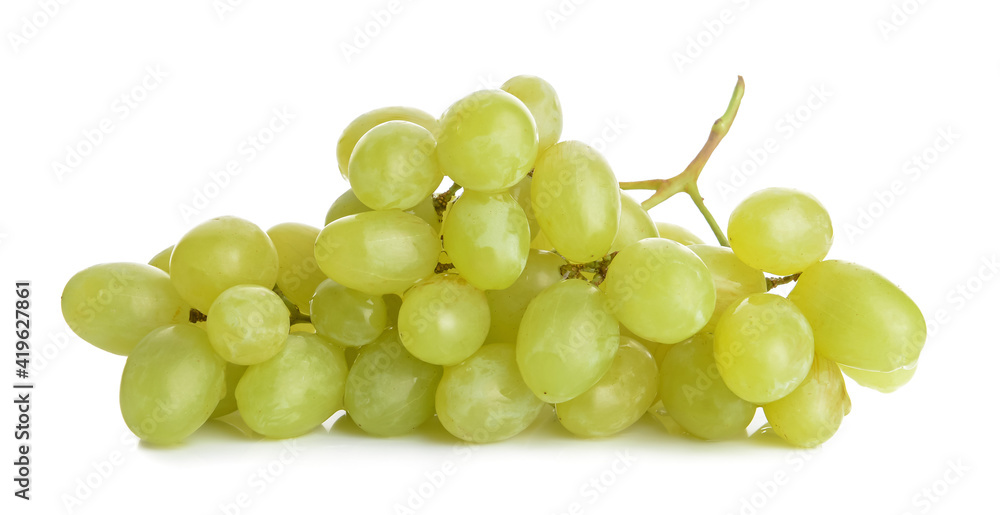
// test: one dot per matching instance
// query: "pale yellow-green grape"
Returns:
(635, 224)
(114, 305)
(780, 230)
(488, 141)
(219, 254)
(348, 204)
(483, 399)
(378, 252)
(302, 327)
(567, 340)
(347, 316)
(540, 98)
(162, 260)
(298, 273)
(392, 304)
(541, 242)
(521, 192)
(171, 383)
(486, 235)
(763, 347)
(389, 392)
(296, 390)
(660, 290)
(885, 382)
(695, 395)
(733, 278)
(812, 413)
(247, 324)
(444, 319)
(507, 306)
(227, 405)
(859, 318)
(576, 200)
(677, 233)
(618, 400)
(366, 122)
(394, 166)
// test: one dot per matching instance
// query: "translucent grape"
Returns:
(247, 324)
(618, 400)
(366, 122)
(780, 230)
(171, 384)
(486, 235)
(660, 290)
(483, 399)
(296, 390)
(677, 233)
(576, 200)
(394, 166)
(298, 273)
(219, 254)
(885, 382)
(859, 318)
(348, 204)
(812, 413)
(378, 252)
(162, 259)
(733, 278)
(389, 392)
(227, 405)
(635, 224)
(488, 141)
(507, 306)
(695, 395)
(114, 305)
(540, 98)
(567, 340)
(763, 347)
(347, 316)
(444, 319)
(521, 192)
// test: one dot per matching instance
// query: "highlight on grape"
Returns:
(529, 282)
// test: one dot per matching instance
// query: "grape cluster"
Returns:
(541, 284)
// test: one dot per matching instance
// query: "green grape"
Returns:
(521, 192)
(763, 347)
(366, 122)
(576, 200)
(733, 278)
(394, 166)
(567, 340)
(677, 233)
(302, 327)
(885, 382)
(859, 318)
(247, 324)
(378, 252)
(812, 413)
(171, 383)
(483, 399)
(618, 400)
(114, 305)
(347, 316)
(296, 390)
(162, 260)
(541, 242)
(660, 290)
(227, 405)
(540, 98)
(298, 273)
(348, 204)
(444, 319)
(488, 141)
(780, 230)
(507, 306)
(389, 392)
(635, 224)
(695, 395)
(219, 254)
(486, 235)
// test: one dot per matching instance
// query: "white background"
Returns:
(890, 90)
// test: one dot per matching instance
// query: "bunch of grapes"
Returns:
(541, 284)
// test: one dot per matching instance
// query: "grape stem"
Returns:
(599, 268)
(294, 315)
(774, 282)
(687, 180)
(195, 316)
(441, 200)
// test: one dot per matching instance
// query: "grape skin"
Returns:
(298, 273)
(247, 324)
(541, 100)
(487, 238)
(367, 121)
(444, 319)
(348, 317)
(394, 166)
